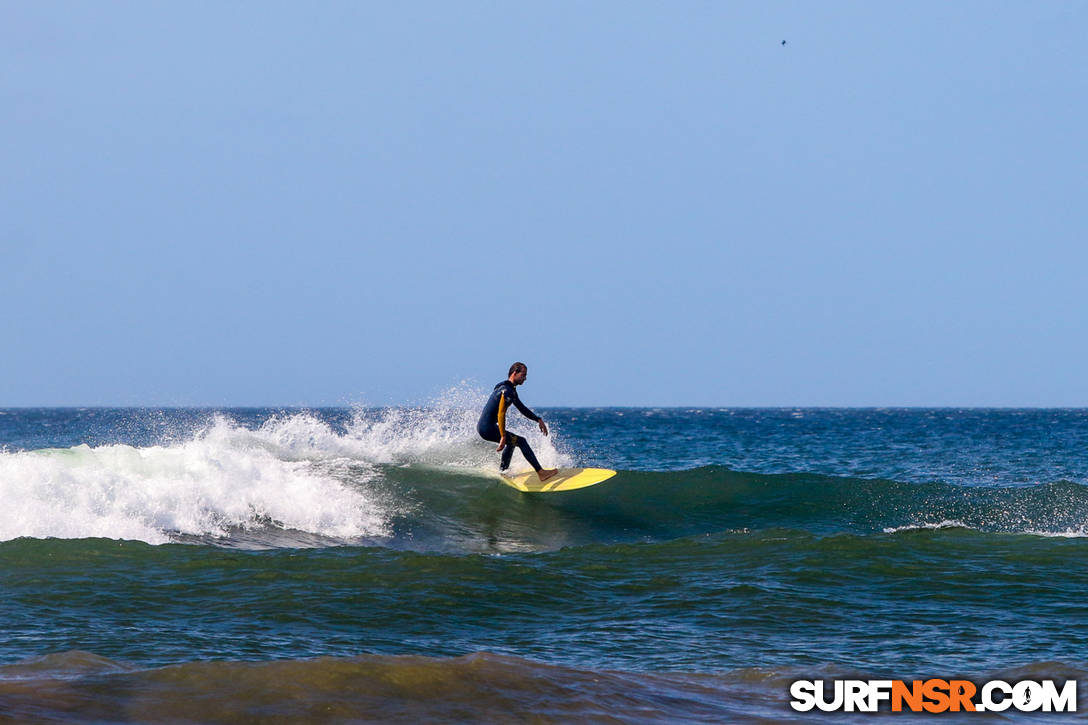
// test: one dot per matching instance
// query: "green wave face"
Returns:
(455, 513)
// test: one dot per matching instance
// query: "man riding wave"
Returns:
(492, 424)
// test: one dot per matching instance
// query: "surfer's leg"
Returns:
(508, 452)
(513, 441)
(523, 446)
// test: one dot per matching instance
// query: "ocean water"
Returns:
(367, 564)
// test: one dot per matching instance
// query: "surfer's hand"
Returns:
(502, 443)
(543, 428)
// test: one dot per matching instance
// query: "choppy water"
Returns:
(197, 565)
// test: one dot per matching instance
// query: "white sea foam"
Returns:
(200, 488)
(294, 472)
(946, 524)
(1069, 533)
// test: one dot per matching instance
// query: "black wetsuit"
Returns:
(493, 423)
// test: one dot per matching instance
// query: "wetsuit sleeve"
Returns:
(524, 410)
(503, 405)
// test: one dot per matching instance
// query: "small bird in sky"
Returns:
(783, 42)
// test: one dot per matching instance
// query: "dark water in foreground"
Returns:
(234, 566)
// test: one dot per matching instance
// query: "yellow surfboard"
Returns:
(567, 479)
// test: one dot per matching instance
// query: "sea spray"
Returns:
(293, 471)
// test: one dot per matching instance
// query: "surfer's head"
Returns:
(517, 374)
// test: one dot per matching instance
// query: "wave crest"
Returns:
(223, 480)
(231, 484)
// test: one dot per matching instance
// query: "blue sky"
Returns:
(657, 203)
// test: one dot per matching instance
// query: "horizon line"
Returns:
(299, 406)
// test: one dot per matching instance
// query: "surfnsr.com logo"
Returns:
(933, 696)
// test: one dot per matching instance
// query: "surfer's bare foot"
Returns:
(546, 473)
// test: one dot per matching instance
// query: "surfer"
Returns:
(492, 425)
